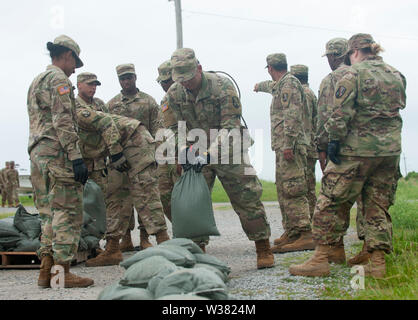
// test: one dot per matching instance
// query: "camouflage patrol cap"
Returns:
(184, 64)
(69, 43)
(337, 47)
(275, 59)
(127, 68)
(360, 41)
(164, 71)
(88, 77)
(299, 70)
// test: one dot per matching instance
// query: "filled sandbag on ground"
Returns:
(118, 292)
(9, 234)
(213, 261)
(29, 224)
(183, 242)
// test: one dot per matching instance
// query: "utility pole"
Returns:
(179, 24)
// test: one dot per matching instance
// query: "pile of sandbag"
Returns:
(22, 232)
(176, 269)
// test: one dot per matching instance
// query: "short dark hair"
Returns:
(56, 50)
(279, 66)
(302, 78)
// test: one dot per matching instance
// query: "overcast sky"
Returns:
(234, 36)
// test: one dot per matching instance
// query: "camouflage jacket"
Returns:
(287, 114)
(12, 177)
(326, 104)
(3, 180)
(98, 134)
(51, 110)
(217, 106)
(367, 101)
(141, 107)
(310, 119)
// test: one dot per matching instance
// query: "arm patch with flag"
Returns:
(164, 107)
(63, 90)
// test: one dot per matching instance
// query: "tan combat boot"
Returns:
(202, 246)
(284, 238)
(71, 280)
(44, 280)
(161, 236)
(144, 240)
(265, 258)
(337, 253)
(362, 257)
(126, 243)
(111, 256)
(376, 267)
(304, 242)
(316, 266)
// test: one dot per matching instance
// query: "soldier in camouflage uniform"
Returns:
(301, 73)
(131, 149)
(167, 173)
(12, 178)
(57, 169)
(3, 185)
(289, 141)
(364, 135)
(208, 101)
(132, 103)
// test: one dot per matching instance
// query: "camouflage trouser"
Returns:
(360, 222)
(292, 189)
(167, 177)
(311, 179)
(59, 202)
(244, 192)
(141, 188)
(12, 196)
(372, 179)
(5, 197)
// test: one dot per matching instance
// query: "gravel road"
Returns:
(233, 247)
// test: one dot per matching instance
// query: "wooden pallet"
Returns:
(30, 260)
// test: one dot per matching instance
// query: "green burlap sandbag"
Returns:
(9, 234)
(176, 254)
(140, 273)
(94, 210)
(191, 207)
(183, 242)
(213, 261)
(118, 292)
(218, 272)
(27, 245)
(182, 297)
(29, 224)
(199, 281)
(155, 280)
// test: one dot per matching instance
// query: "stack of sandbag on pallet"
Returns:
(176, 269)
(22, 232)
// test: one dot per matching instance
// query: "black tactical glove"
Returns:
(333, 151)
(81, 174)
(119, 162)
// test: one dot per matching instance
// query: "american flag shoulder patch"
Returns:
(63, 90)
(164, 107)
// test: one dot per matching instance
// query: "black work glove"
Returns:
(201, 161)
(119, 162)
(81, 174)
(333, 151)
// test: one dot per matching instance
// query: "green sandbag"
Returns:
(155, 281)
(178, 255)
(9, 234)
(140, 273)
(213, 261)
(118, 292)
(191, 207)
(199, 281)
(185, 243)
(182, 297)
(92, 242)
(82, 245)
(94, 206)
(27, 245)
(215, 270)
(29, 224)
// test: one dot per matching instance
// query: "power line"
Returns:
(291, 25)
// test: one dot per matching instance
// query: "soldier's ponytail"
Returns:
(374, 49)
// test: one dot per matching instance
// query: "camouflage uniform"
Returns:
(217, 106)
(12, 183)
(143, 108)
(310, 128)
(53, 145)
(368, 125)
(3, 185)
(287, 115)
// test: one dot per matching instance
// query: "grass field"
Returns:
(269, 192)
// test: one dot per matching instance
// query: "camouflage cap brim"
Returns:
(163, 78)
(97, 82)
(182, 74)
(78, 62)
